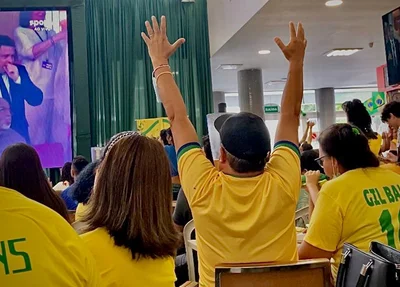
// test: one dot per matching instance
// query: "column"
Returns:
(251, 92)
(218, 98)
(325, 100)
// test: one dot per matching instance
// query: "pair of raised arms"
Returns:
(160, 49)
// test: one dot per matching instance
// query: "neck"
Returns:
(231, 172)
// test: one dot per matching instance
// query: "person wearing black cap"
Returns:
(245, 211)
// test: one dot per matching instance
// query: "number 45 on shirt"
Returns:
(386, 222)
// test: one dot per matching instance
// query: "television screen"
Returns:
(35, 103)
(391, 26)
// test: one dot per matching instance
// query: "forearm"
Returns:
(291, 105)
(303, 139)
(313, 190)
(41, 48)
(293, 93)
(174, 106)
(309, 138)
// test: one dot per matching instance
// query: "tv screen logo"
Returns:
(39, 25)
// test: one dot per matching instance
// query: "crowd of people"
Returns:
(243, 209)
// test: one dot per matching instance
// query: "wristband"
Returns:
(155, 86)
(161, 74)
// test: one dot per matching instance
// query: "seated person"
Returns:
(40, 248)
(130, 229)
(21, 170)
(245, 212)
(358, 116)
(358, 204)
(82, 189)
(78, 164)
(163, 137)
(66, 178)
(7, 135)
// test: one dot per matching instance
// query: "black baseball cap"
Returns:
(244, 135)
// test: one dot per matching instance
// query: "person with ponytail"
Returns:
(358, 204)
(358, 116)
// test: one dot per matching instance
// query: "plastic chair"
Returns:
(302, 214)
(190, 245)
(307, 273)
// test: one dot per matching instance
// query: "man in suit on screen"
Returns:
(393, 55)
(16, 87)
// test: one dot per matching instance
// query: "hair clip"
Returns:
(119, 137)
(356, 131)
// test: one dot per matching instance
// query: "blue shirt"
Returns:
(173, 161)
(67, 197)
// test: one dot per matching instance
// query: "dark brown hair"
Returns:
(133, 199)
(21, 170)
(349, 146)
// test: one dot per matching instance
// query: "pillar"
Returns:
(251, 92)
(325, 101)
(218, 98)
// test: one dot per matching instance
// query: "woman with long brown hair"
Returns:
(21, 170)
(131, 233)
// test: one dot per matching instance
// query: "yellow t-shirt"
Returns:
(242, 219)
(392, 166)
(80, 211)
(39, 248)
(117, 268)
(358, 207)
(375, 144)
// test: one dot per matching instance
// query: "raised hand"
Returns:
(295, 50)
(12, 71)
(160, 49)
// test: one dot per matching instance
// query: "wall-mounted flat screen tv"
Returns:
(35, 102)
(391, 27)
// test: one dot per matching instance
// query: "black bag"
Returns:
(376, 269)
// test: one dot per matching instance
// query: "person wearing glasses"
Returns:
(358, 205)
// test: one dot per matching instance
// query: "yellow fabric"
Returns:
(392, 167)
(375, 145)
(349, 209)
(242, 219)
(80, 211)
(39, 248)
(117, 268)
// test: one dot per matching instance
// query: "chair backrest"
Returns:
(302, 215)
(187, 233)
(307, 273)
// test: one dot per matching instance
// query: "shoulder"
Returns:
(22, 31)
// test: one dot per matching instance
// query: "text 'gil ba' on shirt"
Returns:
(242, 220)
(358, 207)
(39, 248)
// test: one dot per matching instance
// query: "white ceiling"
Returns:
(353, 25)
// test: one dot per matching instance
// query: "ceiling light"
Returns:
(229, 66)
(342, 52)
(333, 3)
(264, 52)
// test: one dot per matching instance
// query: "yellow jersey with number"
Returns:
(117, 268)
(39, 248)
(242, 220)
(358, 207)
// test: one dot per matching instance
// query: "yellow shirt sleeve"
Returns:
(196, 172)
(326, 222)
(284, 164)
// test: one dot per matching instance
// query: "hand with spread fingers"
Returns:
(160, 49)
(295, 50)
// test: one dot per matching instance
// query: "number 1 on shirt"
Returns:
(387, 226)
